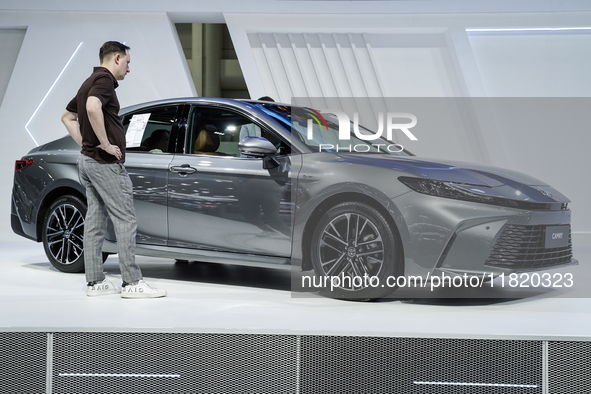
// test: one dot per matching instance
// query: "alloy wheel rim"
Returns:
(65, 231)
(351, 247)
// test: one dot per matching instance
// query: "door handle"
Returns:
(183, 169)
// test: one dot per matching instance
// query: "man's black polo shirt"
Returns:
(100, 84)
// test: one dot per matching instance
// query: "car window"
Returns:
(217, 131)
(158, 127)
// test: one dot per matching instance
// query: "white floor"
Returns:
(217, 298)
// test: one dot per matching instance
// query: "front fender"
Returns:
(309, 209)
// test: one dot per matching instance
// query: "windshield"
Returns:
(320, 131)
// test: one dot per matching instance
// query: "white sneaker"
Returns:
(141, 290)
(104, 287)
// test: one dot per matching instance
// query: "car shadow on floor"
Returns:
(290, 280)
(465, 296)
(215, 273)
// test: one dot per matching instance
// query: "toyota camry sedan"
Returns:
(268, 184)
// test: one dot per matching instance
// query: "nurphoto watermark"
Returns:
(347, 128)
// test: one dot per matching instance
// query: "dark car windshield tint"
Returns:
(321, 133)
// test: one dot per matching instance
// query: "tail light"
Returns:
(20, 165)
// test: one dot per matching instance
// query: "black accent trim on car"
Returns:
(446, 250)
(446, 189)
(522, 247)
(17, 227)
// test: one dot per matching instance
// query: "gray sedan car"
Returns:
(247, 182)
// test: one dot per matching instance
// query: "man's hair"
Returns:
(110, 47)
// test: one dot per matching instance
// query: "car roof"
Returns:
(198, 100)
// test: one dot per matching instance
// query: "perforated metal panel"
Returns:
(23, 361)
(173, 363)
(569, 367)
(103, 362)
(416, 365)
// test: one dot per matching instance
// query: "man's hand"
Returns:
(112, 150)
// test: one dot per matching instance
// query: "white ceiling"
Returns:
(209, 11)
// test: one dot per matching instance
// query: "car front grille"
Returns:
(522, 247)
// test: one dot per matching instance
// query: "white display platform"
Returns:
(218, 298)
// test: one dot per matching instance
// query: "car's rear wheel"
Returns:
(354, 251)
(63, 234)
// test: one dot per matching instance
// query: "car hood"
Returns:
(499, 182)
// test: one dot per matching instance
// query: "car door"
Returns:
(147, 163)
(219, 200)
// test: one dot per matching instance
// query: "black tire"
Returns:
(63, 234)
(353, 240)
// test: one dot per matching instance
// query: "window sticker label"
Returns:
(135, 131)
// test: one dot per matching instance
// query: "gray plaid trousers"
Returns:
(108, 192)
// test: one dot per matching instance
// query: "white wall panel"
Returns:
(433, 55)
(157, 67)
(158, 70)
(10, 45)
(305, 63)
(413, 72)
(321, 73)
(364, 57)
(315, 65)
(534, 63)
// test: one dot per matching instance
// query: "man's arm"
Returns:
(94, 107)
(70, 120)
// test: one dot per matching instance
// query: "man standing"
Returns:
(92, 119)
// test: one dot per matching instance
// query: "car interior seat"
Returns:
(207, 141)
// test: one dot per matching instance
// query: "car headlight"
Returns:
(463, 191)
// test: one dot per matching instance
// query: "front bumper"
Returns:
(453, 236)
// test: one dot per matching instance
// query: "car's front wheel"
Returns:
(354, 251)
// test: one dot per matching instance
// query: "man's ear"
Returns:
(117, 58)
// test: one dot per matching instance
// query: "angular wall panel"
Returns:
(10, 45)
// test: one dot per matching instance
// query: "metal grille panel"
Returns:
(102, 362)
(569, 367)
(23, 362)
(522, 247)
(415, 365)
(173, 363)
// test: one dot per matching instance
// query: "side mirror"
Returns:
(260, 148)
